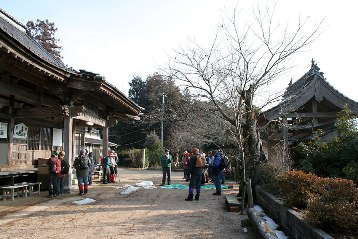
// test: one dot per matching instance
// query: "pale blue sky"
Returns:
(120, 39)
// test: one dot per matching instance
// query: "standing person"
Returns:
(64, 170)
(91, 168)
(82, 166)
(106, 164)
(54, 168)
(186, 166)
(113, 166)
(210, 161)
(218, 170)
(196, 168)
(166, 161)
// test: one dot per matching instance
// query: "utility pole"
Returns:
(161, 123)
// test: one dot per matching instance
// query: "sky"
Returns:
(120, 39)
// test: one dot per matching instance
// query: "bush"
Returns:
(136, 158)
(329, 203)
(266, 174)
(335, 207)
(297, 188)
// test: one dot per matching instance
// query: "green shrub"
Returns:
(123, 154)
(351, 171)
(155, 149)
(297, 188)
(136, 158)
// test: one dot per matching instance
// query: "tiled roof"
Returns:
(311, 84)
(109, 89)
(17, 31)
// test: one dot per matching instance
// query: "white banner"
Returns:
(20, 131)
(3, 130)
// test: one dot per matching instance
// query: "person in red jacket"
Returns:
(64, 170)
(54, 168)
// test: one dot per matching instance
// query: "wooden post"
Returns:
(250, 199)
(314, 111)
(68, 148)
(105, 141)
(243, 198)
(285, 138)
(143, 158)
(10, 132)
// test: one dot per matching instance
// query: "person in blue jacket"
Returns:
(218, 170)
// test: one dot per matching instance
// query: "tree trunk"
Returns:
(251, 145)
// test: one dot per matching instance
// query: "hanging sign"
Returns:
(20, 131)
(3, 130)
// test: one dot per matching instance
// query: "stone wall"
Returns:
(289, 219)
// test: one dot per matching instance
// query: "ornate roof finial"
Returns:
(312, 63)
(315, 69)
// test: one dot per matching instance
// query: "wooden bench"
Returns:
(97, 174)
(233, 203)
(14, 190)
(33, 187)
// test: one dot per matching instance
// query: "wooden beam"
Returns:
(25, 95)
(38, 112)
(313, 115)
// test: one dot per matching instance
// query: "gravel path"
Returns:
(146, 213)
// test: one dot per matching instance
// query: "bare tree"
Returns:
(241, 61)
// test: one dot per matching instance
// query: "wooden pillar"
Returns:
(10, 132)
(143, 158)
(285, 137)
(105, 141)
(68, 148)
(83, 139)
(314, 110)
(10, 136)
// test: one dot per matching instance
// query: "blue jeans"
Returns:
(90, 177)
(195, 182)
(218, 179)
(53, 186)
(82, 180)
(166, 175)
(60, 181)
(106, 175)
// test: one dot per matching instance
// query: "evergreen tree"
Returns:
(43, 32)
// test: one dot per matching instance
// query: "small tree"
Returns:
(155, 149)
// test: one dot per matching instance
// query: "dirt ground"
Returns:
(146, 213)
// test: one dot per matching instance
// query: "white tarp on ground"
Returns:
(146, 184)
(128, 189)
(84, 201)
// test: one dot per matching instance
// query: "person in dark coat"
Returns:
(196, 169)
(82, 166)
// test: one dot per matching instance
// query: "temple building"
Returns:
(45, 105)
(309, 104)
